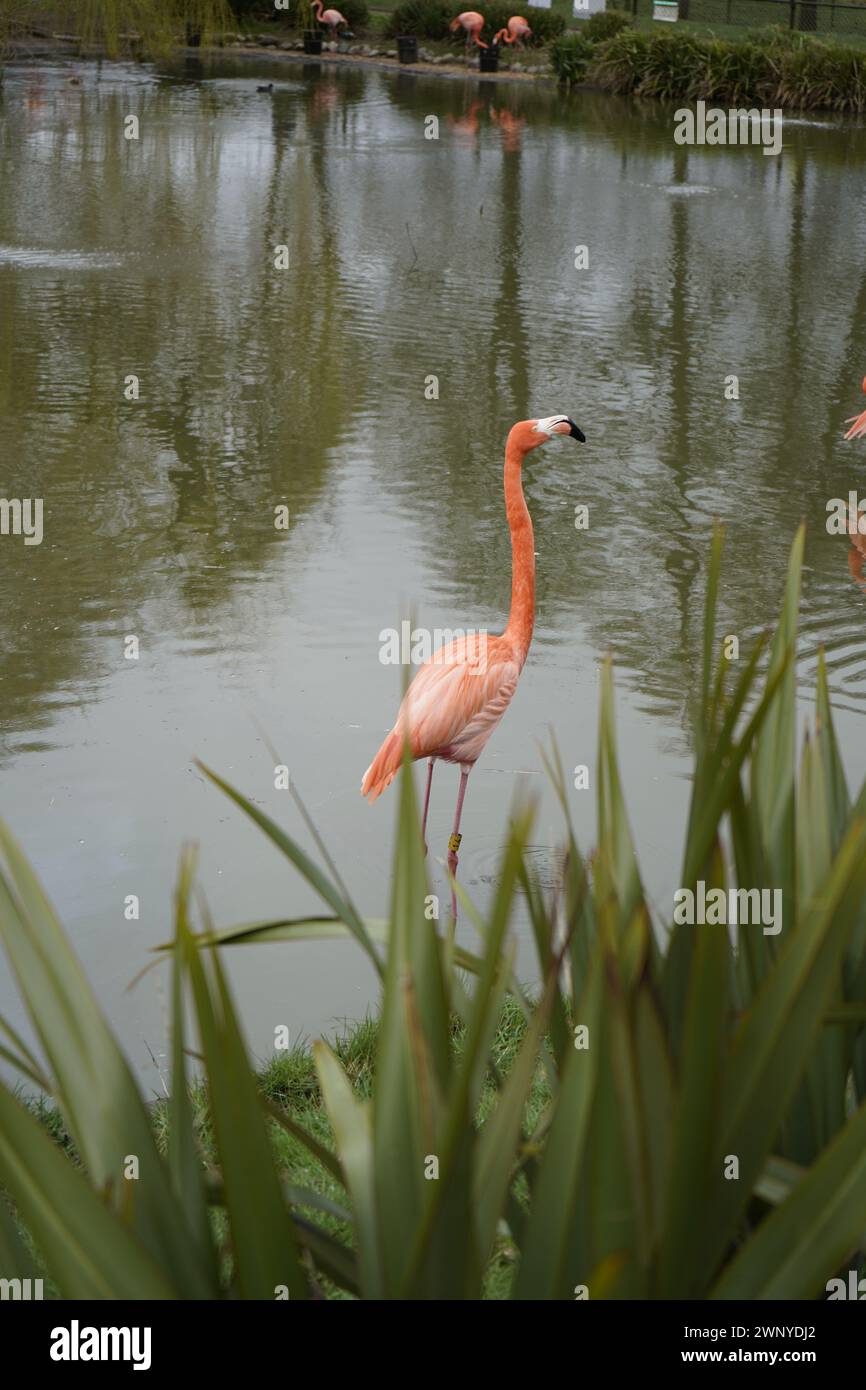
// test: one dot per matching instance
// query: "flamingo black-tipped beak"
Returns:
(576, 432)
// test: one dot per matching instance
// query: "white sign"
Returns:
(582, 9)
(666, 9)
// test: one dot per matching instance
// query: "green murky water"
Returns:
(409, 258)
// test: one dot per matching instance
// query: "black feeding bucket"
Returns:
(407, 48)
(488, 58)
(312, 41)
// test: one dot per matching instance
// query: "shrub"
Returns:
(661, 65)
(571, 55)
(299, 14)
(605, 24)
(545, 24)
(255, 9)
(776, 36)
(683, 66)
(429, 19)
(357, 13)
(821, 76)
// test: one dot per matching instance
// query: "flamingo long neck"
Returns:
(522, 616)
(319, 8)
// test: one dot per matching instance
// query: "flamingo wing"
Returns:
(450, 709)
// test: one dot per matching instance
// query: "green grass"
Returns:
(289, 1080)
(741, 15)
(710, 18)
(736, 33)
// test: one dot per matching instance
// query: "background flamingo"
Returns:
(516, 32)
(458, 697)
(857, 422)
(472, 22)
(332, 18)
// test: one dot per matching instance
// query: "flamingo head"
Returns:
(528, 434)
(558, 424)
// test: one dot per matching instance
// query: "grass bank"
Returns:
(289, 1082)
(768, 68)
(615, 51)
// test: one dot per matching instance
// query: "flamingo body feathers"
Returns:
(515, 32)
(332, 18)
(472, 23)
(453, 705)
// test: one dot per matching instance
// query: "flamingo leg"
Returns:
(430, 762)
(454, 842)
(858, 426)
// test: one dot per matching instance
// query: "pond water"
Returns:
(409, 258)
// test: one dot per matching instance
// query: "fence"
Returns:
(808, 16)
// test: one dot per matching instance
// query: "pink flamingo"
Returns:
(332, 18)
(857, 422)
(458, 697)
(516, 32)
(472, 22)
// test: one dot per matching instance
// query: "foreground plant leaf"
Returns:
(813, 1232)
(89, 1251)
(328, 891)
(90, 1076)
(264, 1248)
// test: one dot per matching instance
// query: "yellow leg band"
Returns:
(454, 843)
